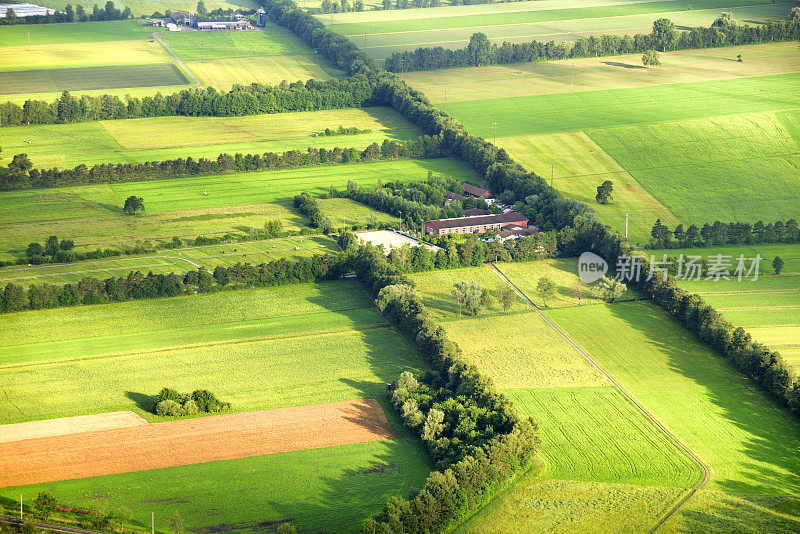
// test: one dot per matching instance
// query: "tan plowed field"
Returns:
(191, 441)
(69, 425)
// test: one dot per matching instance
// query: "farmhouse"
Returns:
(25, 10)
(516, 233)
(475, 191)
(449, 197)
(478, 224)
(182, 18)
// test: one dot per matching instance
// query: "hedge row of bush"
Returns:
(19, 177)
(171, 403)
(720, 233)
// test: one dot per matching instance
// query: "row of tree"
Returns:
(720, 233)
(20, 173)
(473, 432)
(194, 102)
(663, 38)
(70, 14)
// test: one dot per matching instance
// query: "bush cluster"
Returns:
(341, 130)
(171, 403)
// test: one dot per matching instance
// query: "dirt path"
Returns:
(69, 425)
(631, 398)
(191, 441)
(177, 59)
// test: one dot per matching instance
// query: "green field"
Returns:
(272, 40)
(80, 78)
(345, 212)
(341, 486)
(82, 54)
(159, 138)
(272, 70)
(245, 347)
(384, 33)
(76, 32)
(769, 307)
(186, 207)
(172, 261)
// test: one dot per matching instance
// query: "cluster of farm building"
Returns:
(179, 20)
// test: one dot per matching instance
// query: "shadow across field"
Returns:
(770, 436)
(623, 65)
(143, 402)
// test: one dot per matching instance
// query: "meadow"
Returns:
(769, 307)
(14, 58)
(245, 347)
(595, 444)
(159, 138)
(271, 70)
(186, 207)
(148, 7)
(345, 212)
(80, 78)
(172, 261)
(383, 33)
(196, 45)
(75, 32)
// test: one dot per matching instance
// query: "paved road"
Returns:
(177, 59)
(48, 526)
(639, 406)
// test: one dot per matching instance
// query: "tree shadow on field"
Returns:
(623, 65)
(730, 514)
(143, 402)
(769, 437)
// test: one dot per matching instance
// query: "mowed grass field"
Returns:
(769, 307)
(159, 138)
(346, 212)
(186, 207)
(735, 429)
(78, 79)
(547, 20)
(245, 347)
(173, 261)
(595, 444)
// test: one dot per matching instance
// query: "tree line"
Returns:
(20, 173)
(253, 99)
(663, 38)
(70, 14)
(472, 432)
(720, 233)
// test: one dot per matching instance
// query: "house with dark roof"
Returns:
(182, 18)
(472, 212)
(479, 224)
(449, 197)
(475, 191)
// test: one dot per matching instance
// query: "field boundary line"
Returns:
(705, 469)
(177, 59)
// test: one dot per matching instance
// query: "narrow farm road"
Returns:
(631, 398)
(177, 59)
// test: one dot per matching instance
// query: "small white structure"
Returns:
(25, 10)
(158, 22)
(173, 27)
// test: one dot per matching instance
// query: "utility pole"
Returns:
(552, 172)
(626, 225)
(153, 522)
(573, 73)
(29, 41)
(445, 100)
(494, 132)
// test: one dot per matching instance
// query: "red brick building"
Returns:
(479, 224)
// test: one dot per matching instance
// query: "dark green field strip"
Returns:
(75, 32)
(617, 107)
(87, 78)
(523, 17)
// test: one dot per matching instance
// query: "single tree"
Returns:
(777, 264)
(664, 34)
(546, 289)
(202, 11)
(578, 289)
(794, 14)
(739, 58)
(123, 515)
(20, 165)
(613, 289)
(133, 204)
(176, 522)
(650, 59)
(44, 504)
(459, 294)
(506, 295)
(286, 528)
(604, 192)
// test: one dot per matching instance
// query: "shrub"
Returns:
(170, 408)
(190, 407)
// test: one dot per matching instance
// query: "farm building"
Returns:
(472, 212)
(475, 191)
(25, 10)
(449, 197)
(182, 18)
(516, 233)
(223, 25)
(479, 224)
